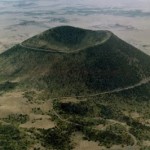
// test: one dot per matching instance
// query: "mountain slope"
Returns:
(101, 66)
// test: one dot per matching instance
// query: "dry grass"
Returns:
(146, 143)
(39, 121)
(15, 103)
(71, 100)
(81, 144)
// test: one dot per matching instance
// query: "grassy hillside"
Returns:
(106, 66)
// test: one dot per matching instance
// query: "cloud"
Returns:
(115, 26)
(25, 4)
(25, 23)
(57, 19)
(85, 11)
(124, 27)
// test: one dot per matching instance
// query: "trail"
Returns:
(64, 120)
(142, 82)
(113, 122)
(127, 130)
(40, 50)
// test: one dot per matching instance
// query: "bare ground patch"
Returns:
(15, 103)
(81, 144)
(39, 121)
(71, 100)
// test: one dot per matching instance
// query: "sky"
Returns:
(128, 19)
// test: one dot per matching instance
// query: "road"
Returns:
(127, 130)
(142, 82)
(113, 122)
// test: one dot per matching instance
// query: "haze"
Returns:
(129, 19)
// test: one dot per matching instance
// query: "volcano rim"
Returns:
(65, 49)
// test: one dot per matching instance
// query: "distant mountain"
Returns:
(68, 60)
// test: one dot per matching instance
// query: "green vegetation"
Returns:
(142, 132)
(29, 95)
(6, 86)
(108, 137)
(58, 138)
(145, 148)
(11, 138)
(109, 112)
(78, 109)
(109, 109)
(37, 110)
(16, 119)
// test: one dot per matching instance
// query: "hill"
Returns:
(101, 66)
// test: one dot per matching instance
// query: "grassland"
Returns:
(106, 121)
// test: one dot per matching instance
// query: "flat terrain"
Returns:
(15, 103)
(44, 115)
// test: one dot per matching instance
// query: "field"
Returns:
(108, 121)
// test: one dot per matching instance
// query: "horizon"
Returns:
(130, 20)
